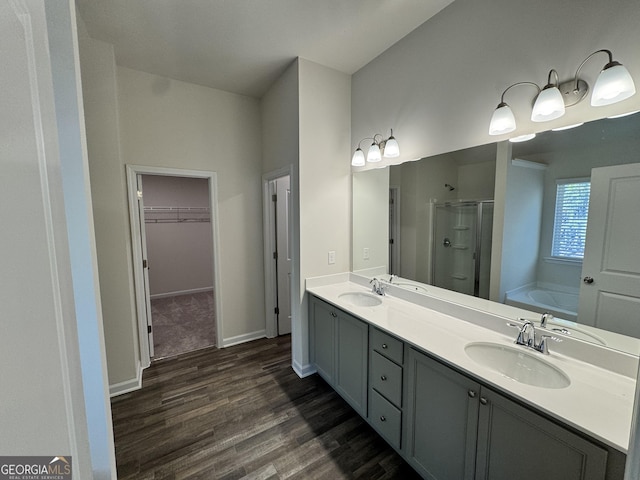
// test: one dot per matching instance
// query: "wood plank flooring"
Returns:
(242, 413)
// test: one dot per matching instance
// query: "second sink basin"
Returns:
(361, 299)
(517, 364)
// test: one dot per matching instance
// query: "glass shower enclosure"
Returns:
(461, 256)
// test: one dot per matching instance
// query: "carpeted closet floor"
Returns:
(183, 323)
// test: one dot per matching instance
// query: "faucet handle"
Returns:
(543, 346)
(546, 316)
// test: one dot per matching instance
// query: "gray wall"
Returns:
(179, 253)
(438, 86)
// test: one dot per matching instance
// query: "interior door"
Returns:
(145, 264)
(610, 288)
(283, 261)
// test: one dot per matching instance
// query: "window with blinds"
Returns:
(570, 225)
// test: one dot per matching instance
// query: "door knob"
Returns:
(588, 280)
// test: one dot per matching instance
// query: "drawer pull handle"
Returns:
(472, 394)
(383, 378)
(384, 346)
(383, 418)
(334, 314)
(483, 401)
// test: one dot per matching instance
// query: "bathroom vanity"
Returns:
(423, 373)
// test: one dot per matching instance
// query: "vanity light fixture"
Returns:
(614, 84)
(380, 147)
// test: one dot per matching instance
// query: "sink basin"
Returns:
(517, 364)
(361, 299)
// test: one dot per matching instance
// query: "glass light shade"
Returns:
(502, 120)
(548, 106)
(613, 85)
(373, 155)
(358, 158)
(391, 148)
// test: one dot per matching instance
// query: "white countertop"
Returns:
(598, 402)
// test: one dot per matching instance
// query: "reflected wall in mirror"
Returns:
(523, 272)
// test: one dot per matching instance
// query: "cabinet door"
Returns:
(442, 420)
(322, 345)
(351, 361)
(514, 442)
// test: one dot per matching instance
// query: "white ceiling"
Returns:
(243, 46)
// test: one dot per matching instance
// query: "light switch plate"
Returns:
(332, 257)
(365, 254)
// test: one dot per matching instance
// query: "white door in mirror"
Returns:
(610, 290)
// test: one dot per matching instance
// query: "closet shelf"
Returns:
(177, 215)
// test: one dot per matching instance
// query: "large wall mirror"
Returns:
(509, 223)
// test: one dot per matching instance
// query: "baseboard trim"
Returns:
(246, 337)
(303, 370)
(180, 292)
(128, 385)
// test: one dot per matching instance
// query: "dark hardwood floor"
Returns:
(241, 412)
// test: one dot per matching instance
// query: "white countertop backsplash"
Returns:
(598, 402)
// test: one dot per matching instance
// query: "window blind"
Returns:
(570, 224)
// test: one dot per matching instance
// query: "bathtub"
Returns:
(559, 304)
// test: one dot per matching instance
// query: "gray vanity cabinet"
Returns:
(386, 373)
(351, 361)
(514, 442)
(322, 318)
(457, 429)
(442, 420)
(338, 348)
(444, 423)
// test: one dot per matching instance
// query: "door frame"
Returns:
(268, 230)
(394, 257)
(138, 271)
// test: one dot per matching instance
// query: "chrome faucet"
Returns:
(546, 316)
(527, 338)
(527, 334)
(377, 286)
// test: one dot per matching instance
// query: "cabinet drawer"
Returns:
(385, 418)
(386, 378)
(387, 345)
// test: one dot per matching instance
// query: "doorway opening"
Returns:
(278, 251)
(174, 230)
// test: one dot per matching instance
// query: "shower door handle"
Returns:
(446, 242)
